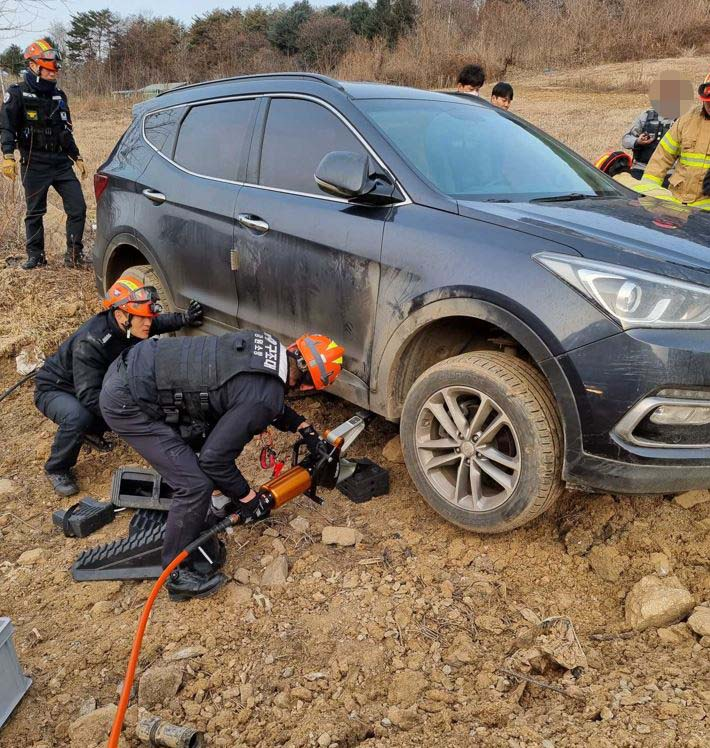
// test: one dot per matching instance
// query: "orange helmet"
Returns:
(320, 357)
(613, 162)
(44, 54)
(131, 297)
(704, 89)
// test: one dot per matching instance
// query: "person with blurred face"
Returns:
(502, 95)
(35, 119)
(686, 149)
(68, 384)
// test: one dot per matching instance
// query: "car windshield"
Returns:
(473, 152)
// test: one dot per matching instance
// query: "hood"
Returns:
(611, 229)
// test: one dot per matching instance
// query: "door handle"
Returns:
(154, 196)
(253, 222)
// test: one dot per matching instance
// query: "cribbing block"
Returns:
(134, 557)
(140, 488)
(83, 518)
(368, 480)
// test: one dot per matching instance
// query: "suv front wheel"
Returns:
(483, 441)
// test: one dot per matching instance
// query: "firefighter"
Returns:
(68, 384)
(35, 119)
(170, 397)
(687, 147)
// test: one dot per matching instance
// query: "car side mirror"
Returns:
(348, 175)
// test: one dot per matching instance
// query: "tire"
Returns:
(147, 276)
(501, 406)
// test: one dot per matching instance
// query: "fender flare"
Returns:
(385, 369)
(131, 240)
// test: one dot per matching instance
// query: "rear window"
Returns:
(473, 152)
(161, 128)
(298, 134)
(213, 138)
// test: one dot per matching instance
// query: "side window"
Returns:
(212, 138)
(161, 128)
(298, 134)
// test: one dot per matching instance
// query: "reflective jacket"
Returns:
(687, 145)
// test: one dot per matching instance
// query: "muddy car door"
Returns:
(189, 192)
(307, 261)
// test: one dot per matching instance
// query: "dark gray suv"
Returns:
(527, 320)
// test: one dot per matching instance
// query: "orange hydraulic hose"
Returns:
(136, 650)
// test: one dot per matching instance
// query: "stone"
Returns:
(676, 634)
(342, 536)
(324, 740)
(405, 687)
(606, 714)
(87, 706)
(102, 608)
(463, 650)
(657, 601)
(7, 487)
(607, 562)
(578, 541)
(239, 594)
(186, 653)
(405, 719)
(661, 564)
(158, 685)
(241, 575)
(699, 621)
(276, 573)
(32, 556)
(271, 532)
(300, 524)
(392, 451)
(689, 499)
(92, 728)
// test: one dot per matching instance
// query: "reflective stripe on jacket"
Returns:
(687, 145)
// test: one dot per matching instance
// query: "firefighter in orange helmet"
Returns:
(69, 382)
(35, 119)
(170, 397)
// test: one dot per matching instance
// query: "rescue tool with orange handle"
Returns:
(322, 467)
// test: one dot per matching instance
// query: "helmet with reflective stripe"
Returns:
(704, 89)
(44, 54)
(129, 295)
(320, 357)
(613, 162)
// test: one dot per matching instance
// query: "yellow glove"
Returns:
(9, 166)
(80, 167)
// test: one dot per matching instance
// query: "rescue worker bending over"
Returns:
(687, 146)
(68, 384)
(35, 119)
(167, 395)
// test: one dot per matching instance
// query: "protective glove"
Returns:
(706, 184)
(80, 167)
(313, 440)
(9, 166)
(193, 316)
(254, 510)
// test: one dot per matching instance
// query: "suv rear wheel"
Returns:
(145, 275)
(483, 441)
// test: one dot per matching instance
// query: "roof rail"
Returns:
(314, 76)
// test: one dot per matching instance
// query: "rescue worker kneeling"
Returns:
(68, 384)
(169, 397)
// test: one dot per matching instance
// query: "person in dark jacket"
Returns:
(35, 118)
(68, 384)
(168, 397)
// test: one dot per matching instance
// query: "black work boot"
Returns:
(184, 584)
(37, 261)
(63, 483)
(77, 260)
(97, 442)
(217, 551)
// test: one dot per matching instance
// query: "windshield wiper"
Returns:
(564, 198)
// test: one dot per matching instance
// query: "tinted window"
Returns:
(474, 152)
(213, 137)
(161, 128)
(298, 134)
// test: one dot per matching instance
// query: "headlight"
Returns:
(633, 297)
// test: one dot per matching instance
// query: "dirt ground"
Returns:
(401, 640)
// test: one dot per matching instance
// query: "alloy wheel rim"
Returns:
(468, 449)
